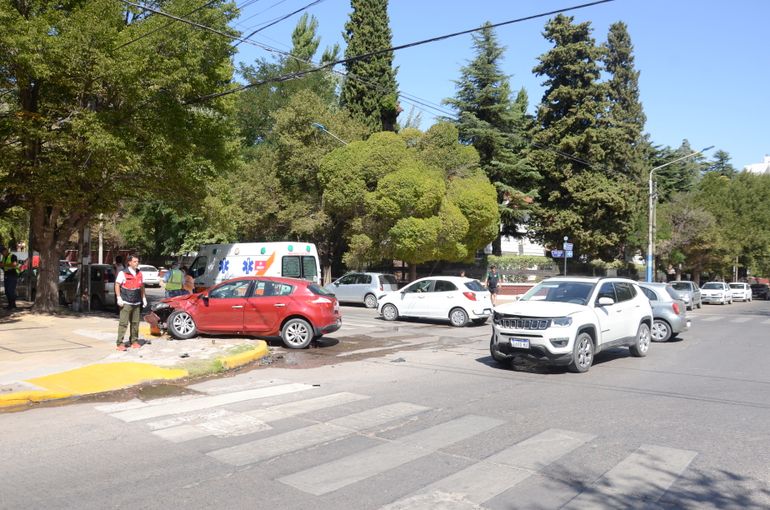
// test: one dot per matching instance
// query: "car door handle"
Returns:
(279, 305)
(237, 307)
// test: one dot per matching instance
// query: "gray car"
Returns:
(669, 316)
(362, 287)
(690, 293)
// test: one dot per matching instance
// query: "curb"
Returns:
(106, 377)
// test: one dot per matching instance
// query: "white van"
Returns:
(219, 262)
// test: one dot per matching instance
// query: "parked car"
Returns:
(690, 292)
(296, 310)
(455, 298)
(102, 287)
(669, 315)
(566, 320)
(150, 275)
(760, 291)
(362, 287)
(741, 291)
(65, 268)
(717, 292)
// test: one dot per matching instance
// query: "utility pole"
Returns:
(564, 247)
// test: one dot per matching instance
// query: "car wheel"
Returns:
(370, 301)
(582, 354)
(296, 334)
(480, 321)
(390, 312)
(642, 343)
(181, 325)
(661, 331)
(458, 317)
(497, 355)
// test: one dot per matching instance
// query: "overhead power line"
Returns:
(132, 41)
(278, 20)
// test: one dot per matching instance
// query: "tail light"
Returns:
(675, 306)
(470, 295)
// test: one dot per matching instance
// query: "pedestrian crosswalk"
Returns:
(243, 420)
(755, 319)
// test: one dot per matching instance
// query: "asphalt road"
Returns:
(415, 415)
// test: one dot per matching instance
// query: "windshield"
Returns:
(148, 269)
(736, 286)
(563, 292)
(680, 285)
(319, 291)
(671, 292)
(713, 285)
(475, 286)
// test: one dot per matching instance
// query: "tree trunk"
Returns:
(412, 272)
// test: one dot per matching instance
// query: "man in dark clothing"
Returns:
(10, 276)
(492, 280)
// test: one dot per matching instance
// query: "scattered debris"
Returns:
(184, 355)
(398, 360)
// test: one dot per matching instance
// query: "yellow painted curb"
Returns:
(20, 398)
(144, 329)
(105, 377)
(242, 358)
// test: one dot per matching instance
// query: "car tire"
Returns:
(642, 343)
(661, 331)
(497, 355)
(389, 312)
(480, 321)
(181, 325)
(297, 333)
(458, 317)
(370, 301)
(582, 354)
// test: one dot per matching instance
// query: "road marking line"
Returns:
(496, 474)
(215, 387)
(340, 473)
(741, 319)
(207, 402)
(376, 349)
(312, 435)
(766, 322)
(290, 409)
(712, 318)
(644, 475)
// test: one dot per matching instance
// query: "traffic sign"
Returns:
(568, 248)
(569, 254)
(557, 254)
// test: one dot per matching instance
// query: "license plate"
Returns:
(520, 343)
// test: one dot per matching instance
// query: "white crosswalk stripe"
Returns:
(496, 474)
(739, 320)
(711, 318)
(155, 410)
(766, 321)
(340, 473)
(319, 433)
(648, 472)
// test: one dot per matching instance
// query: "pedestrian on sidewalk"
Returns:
(10, 276)
(174, 281)
(119, 267)
(492, 281)
(189, 283)
(129, 288)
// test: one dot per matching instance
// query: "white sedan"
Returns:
(457, 299)
(741, 291)
(150, 275)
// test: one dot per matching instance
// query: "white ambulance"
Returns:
(216, 263)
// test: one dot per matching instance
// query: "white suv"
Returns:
(566, 320)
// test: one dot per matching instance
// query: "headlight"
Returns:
(562, 322)
(160, 306)
(496, 317)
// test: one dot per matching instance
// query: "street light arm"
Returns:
(321, 127)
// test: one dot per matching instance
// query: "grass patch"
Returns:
(198, 368)
(240, 348)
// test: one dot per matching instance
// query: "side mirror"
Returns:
(605, 301)
(205, 298)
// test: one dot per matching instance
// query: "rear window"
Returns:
(671, 292)
(146, 269)
(737, 286)
(388, 279)
(319, 291)
(680, 285)
(475, 286)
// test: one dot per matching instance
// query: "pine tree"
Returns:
(370, 91)
(497, 127)
(722, 165)
(582, 195)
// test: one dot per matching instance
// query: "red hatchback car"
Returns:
(297, 310)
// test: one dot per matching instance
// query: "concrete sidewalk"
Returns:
(45, 357)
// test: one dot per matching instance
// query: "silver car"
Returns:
(689, 292)
(669, 316)
(362, 287)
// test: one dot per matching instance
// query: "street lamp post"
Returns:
(321, 127)
(651, 211)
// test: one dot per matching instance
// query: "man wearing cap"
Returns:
(10, 276)
(129, 288)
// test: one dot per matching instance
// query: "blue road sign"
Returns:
(557, 254)
(568, 248)
(569, 254)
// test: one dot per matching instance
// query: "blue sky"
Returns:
(705, 66)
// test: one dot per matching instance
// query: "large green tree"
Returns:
(490, 120)
(370, 91)
(90, 123)
(582, 195)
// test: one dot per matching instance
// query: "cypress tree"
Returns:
(373, 97)
(496, 126)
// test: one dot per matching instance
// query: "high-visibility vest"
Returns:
(131, 289)
(175, 280)
(8, 268)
